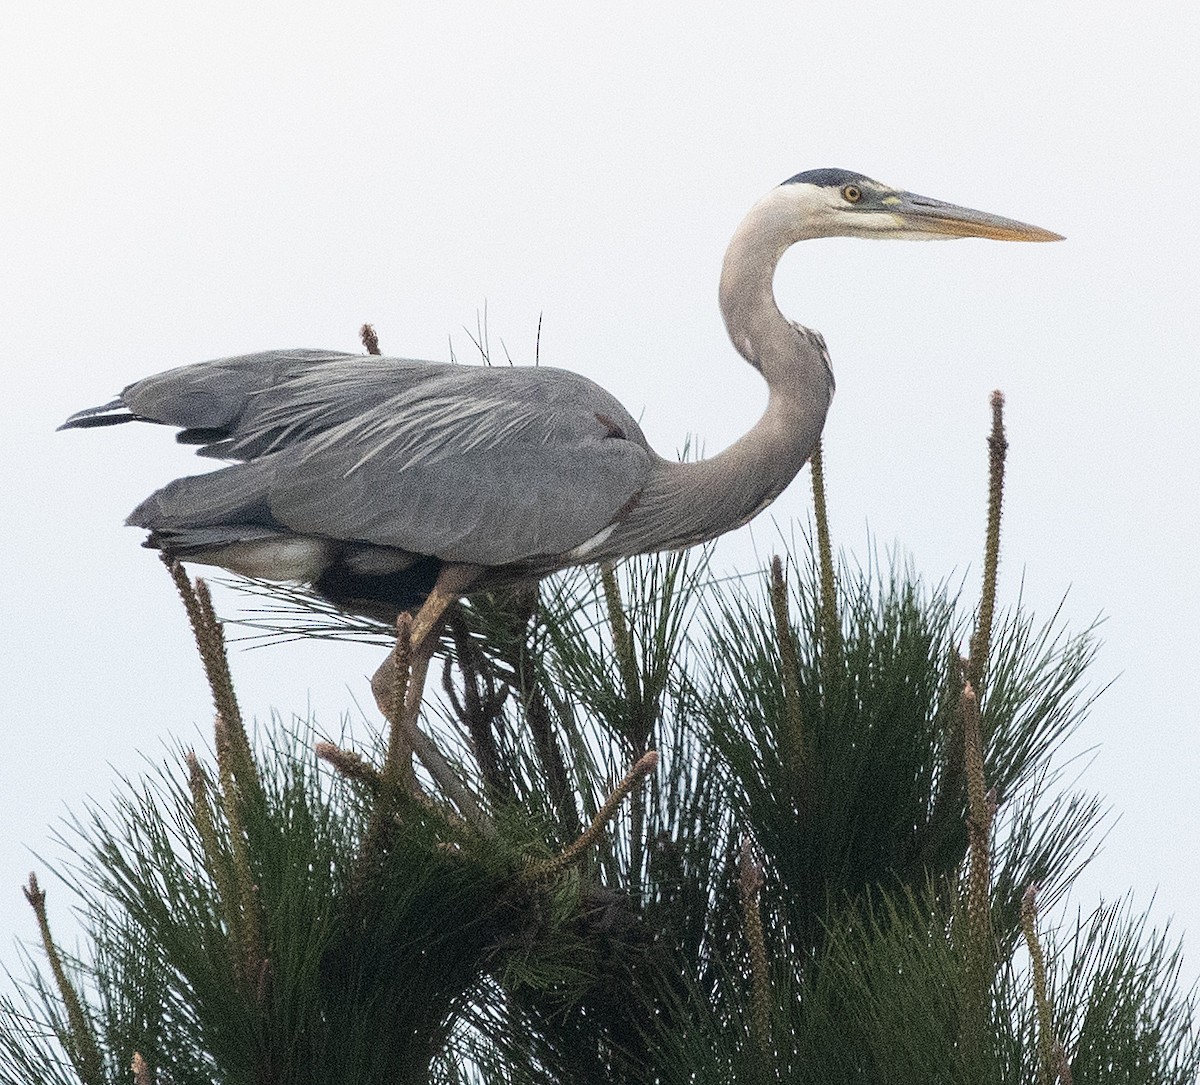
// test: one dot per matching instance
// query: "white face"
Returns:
(860, 209)
(866, 208)
(870, 209)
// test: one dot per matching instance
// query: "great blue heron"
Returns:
(389, 484)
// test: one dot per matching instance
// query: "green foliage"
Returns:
(348, 984)
(418, 951)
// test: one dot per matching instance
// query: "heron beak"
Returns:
(934, 218)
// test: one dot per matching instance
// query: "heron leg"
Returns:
(452, 582)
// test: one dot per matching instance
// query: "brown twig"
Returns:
(209, 640)
(547, 868)
(240, 784)
(981, 812)
(142, 1074)
(202, 816)
(1065, 1077)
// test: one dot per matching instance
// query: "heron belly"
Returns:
(296, 557)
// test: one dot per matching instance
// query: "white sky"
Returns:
(186, 181)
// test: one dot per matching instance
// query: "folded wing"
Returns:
(491, 466)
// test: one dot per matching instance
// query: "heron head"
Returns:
(840, 203)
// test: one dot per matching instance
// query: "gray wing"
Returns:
(484, 465)
(207, 399)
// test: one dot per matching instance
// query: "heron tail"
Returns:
(110, 414)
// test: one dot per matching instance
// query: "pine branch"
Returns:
(750, 884)
(981, 640)
(890, 913)
(830, 624)
(210, 641)
(351, 765)
(80, 1040)
(626, 657)
(243, 912)
(216, 860)
(638, 727)
(981, 812)
(240, 789)
(397, 769)
(548, 868)
(792, 745)
(1051, 1056)
(480, 707)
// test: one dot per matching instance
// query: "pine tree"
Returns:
(771, 829)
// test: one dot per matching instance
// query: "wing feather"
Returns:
(488, 466)
(491, 466)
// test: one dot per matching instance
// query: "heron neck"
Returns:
(791, 358)
(758, 330)
(686, 503)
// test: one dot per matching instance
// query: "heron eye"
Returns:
(851, 193)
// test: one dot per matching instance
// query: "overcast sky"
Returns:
(183, 182)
